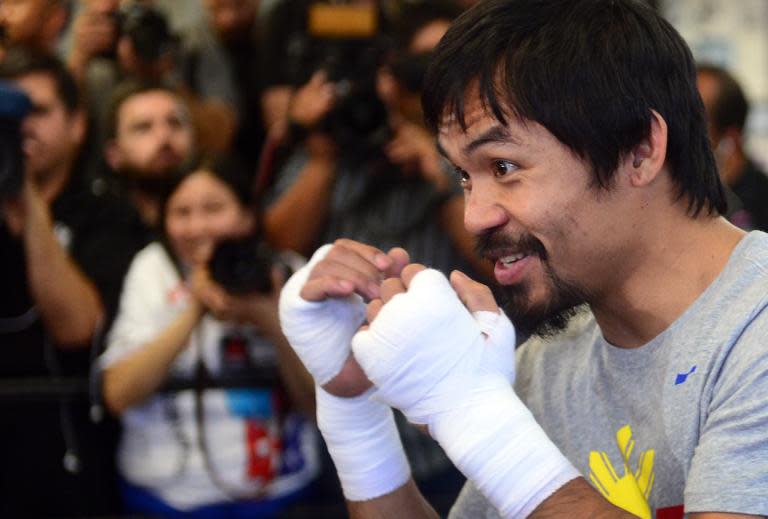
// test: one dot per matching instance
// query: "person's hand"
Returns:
(94, 32)
(414, 150)
(443, 353)
(431, 341)
(255, 308)
(321, 308)
(25, 211)
(312, 101)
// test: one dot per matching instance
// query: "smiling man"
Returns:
(578, 135)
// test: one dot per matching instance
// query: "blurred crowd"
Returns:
(157, 188)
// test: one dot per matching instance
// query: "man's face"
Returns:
(153, 135)
(555, 240)
(231, 19)
(51, 134)
(22, 20)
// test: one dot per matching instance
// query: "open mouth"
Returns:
(512, 258)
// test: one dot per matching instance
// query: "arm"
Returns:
(132, 379)
(320, 309)
(94, 32)
(68, 301)
(274, 104)
(406, 502)
(295, 219)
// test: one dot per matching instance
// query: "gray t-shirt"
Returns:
(682, 420)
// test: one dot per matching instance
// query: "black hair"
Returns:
(22, 61)
(126, 90)
(590, 72)
(730, 106)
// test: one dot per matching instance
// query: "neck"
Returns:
(675, 264)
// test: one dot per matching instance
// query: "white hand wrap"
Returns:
(444, 367)
(360, 433)
(319, 331)
(364, 444)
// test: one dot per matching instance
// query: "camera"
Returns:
(148, 31)
(345, 41)
(14, 106)
(244, 265)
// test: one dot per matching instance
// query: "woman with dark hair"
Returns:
(201, 376)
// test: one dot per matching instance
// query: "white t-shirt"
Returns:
(253, 443)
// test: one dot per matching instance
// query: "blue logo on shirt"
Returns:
(682, 377)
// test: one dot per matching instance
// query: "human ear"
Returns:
(648, 157)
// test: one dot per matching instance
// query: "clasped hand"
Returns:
(425, 342)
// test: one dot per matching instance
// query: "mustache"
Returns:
(164, 149)
(494, 243)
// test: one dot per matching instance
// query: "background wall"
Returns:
(732, 34)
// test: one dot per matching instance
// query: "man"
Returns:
(36, 24)
(115, 43)
(223, 63)
(727, 108)
(579, 137)
(64, 252)
(149, 137)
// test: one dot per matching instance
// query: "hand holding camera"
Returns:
(240, 280)
(95, 30)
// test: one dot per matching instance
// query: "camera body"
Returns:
(14, 106)
(244, 265)
(344, 40)
(147, 29)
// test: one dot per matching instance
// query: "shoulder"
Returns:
(151, 262)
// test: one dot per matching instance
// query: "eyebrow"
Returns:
(495, 134)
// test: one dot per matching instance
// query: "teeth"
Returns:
(508, 260)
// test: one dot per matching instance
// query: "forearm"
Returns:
(406, 502)
(295, 220)
(68, 302)
(298, 382)
(134, 378)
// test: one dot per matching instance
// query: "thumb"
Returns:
(475, 296)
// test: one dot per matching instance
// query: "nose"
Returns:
(483, 210)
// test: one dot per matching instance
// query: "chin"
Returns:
(544, 313)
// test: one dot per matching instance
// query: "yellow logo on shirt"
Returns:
(629, 492)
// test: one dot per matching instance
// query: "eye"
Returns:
(462, 176)
(503, 167)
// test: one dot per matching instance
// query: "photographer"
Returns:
(203, 380)
(371, 173)
(34, 24)
(113, 44)
(63, 253)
